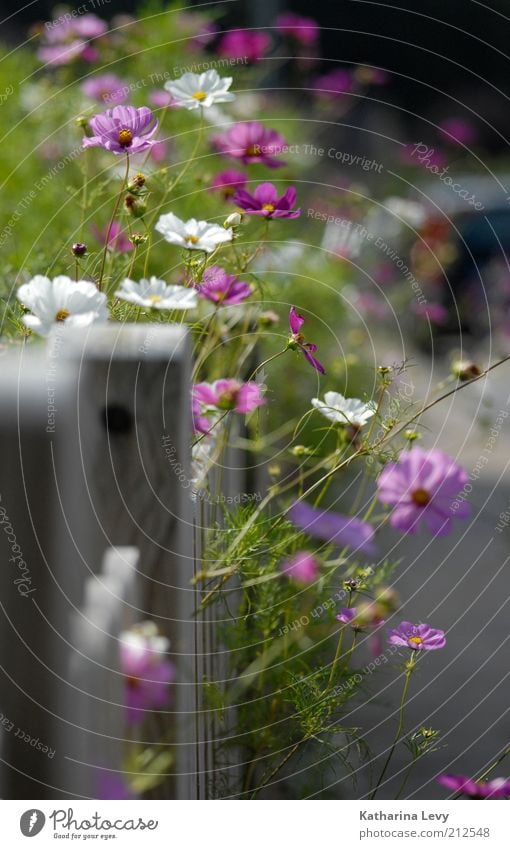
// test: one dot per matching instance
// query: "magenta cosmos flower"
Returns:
(251, 142)
(303, 30)
(228, 183)
(333, 83)
(123, 129)
(498, 788)
(417, 637)
(333, 527)
(265, 201)
(107, 88)
(146, 669)
(222, 288)
(210, 400)
(421, 487)
(244, 44)
(297, 341)
(459, 131)
(66, 39)
(303, 567)
(117, 241)
(359, 618)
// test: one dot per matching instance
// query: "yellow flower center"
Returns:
(155, 299)
(253, 150)
(200, 95)
(268, 207)
(420, 497)
(125, 138)
(416, 640)
(61, 315)
(191, 239)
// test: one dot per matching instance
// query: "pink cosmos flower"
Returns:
(107, 88)
(417, 637)
(302, 567)
(118, 241)
(422, 487)
(436, 313)
(209, 400)
(244, 44)
(265, 201)
(147, 671)
(161, 99)
(497, 788)
(366, 615)
(112, 785)
(333, 527)
(297, 341)
(66, 40)
(251, 142)
(303, 30)
(459, 131)
(228, 182)
(222, 288)
(123, 129)
(333, 83)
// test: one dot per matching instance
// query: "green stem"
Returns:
(409, 670)
(112, 219)
(496, 763)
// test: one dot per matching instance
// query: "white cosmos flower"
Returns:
(195, 90)
(156, 294)
(61, 300)
(342, 410)
(193, 234)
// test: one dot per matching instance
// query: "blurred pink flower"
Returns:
(65, 40)
(147, 672)
(251, 142)
(118, 241)
(106, 88)
(302, 567)
(222, 288)
(244, 44)
(436, 313)
(339, 81)
(459, 131)
(297, 341)
(303, 30)
(228, 182)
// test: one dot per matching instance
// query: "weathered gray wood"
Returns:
(91, 476)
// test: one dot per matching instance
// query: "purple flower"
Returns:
(228, 182)
(436, 313)
(118, 241)
(498, 788)
(251, 142)
(364, 616)
(333, 527)
(301, 29)
(123, 129)
(335, 82)
(303, 567)
(209, 400)
(107, 88)
(459, 131)
(421, 486)
(112, 785)
(297, 341)
(265, 201)
(66, 40)
(147, 671)
(161, 99)
(222, 288)
(417, 637)
(244, 44)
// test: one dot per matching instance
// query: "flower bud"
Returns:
(136, 183)
(138, 238)
(268, 318)
(79, 249)
(301, 451)
(235, 219)
(82, 122)
(412, 435)
(135, 206)
(465, 369)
